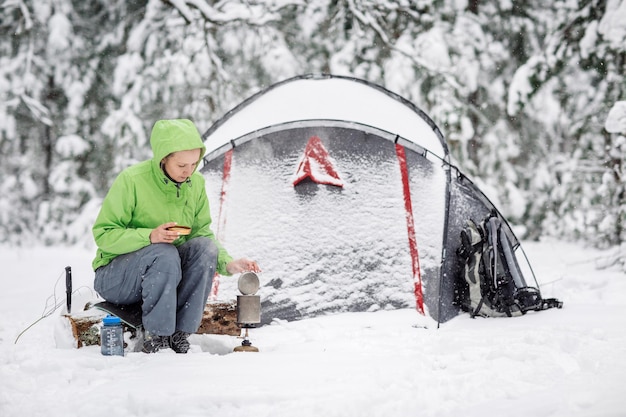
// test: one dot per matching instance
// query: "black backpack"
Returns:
(493, 284)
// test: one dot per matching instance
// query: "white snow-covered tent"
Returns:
(343, 192)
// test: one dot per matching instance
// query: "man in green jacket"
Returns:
(141, 259)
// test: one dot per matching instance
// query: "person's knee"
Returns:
(203, 246)
(199, 252)
(163, 250)
(162, 257)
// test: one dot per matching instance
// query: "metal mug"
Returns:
(248, 283)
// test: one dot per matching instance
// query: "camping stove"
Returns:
(248, 308)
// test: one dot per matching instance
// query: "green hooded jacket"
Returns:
(142, 197)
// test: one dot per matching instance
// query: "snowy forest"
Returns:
(530, 95)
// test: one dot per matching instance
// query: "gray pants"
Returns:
(172, 284)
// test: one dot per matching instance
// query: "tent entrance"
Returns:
(320, 244)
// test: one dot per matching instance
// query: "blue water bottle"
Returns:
(112, 336)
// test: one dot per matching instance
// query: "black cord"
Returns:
(48, 309)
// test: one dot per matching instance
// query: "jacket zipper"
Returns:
(180, 184)
(177, 185)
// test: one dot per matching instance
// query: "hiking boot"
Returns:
(178, 342)
(152, 343)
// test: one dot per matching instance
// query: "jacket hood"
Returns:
(174, 135)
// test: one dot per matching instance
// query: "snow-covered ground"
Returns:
(567, 362)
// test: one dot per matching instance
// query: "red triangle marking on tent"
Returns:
(316, 165)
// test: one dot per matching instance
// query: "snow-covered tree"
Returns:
(614, 180)
(27, 91)
(521, 90)
(53, 68)
(568, 89)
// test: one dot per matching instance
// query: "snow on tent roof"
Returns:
(336, 98)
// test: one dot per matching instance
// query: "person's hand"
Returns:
(242, 265)
(162, 235)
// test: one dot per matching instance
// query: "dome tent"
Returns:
(345, 194)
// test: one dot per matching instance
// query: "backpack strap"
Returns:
(474, 312)
(547, 303)
(471, 240)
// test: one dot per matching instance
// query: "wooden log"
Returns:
(219, 317)
(85, 327)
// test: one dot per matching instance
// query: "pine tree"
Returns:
(570, 88)
(56, 64)
(27, 90)
(614, 181)
(521, 90)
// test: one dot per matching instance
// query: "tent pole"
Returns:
(221, 222)
(410, 224)
(442, 274)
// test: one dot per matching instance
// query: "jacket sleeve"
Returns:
(110, 229)
(203, 227)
